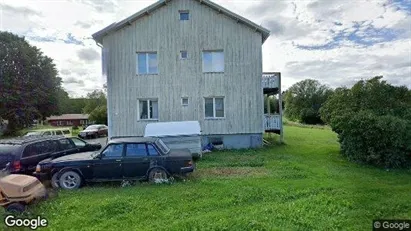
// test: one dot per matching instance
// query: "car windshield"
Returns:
(92, 127)
(33, 134)
(162, 146)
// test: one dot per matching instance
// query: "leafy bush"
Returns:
(373, 122)
(378, 140)
(74, 127)
(304, 99)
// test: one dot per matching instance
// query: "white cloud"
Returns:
(62, 30)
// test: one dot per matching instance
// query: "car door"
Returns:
(109, 165)
(34, 153)
(136, 161)
(29, 157)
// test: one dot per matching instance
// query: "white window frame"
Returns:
(60, 123)
(182, 101)
(212, 51)
(147, 62)
(214, 111)
(148, 109)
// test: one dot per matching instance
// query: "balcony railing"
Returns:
(271, 80)
(272, 122)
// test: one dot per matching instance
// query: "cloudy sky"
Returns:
(335, 41)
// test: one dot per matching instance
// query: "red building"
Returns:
(68, 120)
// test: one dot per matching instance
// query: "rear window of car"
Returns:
(66, 132)
(9, 149)
(58, 132)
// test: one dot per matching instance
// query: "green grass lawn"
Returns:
(303, 185)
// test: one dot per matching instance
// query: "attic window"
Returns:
(184, 101)
(184, 15)
(183, 54)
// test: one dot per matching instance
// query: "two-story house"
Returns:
(184, 60)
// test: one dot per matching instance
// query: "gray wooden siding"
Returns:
(164, 33)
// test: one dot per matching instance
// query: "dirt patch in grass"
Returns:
(232, 172)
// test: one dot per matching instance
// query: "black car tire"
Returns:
(157, 175)
(55, 181)
(70, 180)
(15, 208)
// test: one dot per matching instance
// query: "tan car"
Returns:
(17, 191)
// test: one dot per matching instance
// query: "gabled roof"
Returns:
(98, 36)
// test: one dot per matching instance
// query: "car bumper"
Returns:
(185, 170)
(41, 176)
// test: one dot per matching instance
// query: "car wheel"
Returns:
(70, 180)
(15, 208)
(157, 175)
(55, 181)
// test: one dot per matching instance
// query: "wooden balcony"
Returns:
(272, 123)
(271, 82)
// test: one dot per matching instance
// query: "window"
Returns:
(48, 133)
(113, 151)
(147, 63)
(152, 151)
(148, 109)
(60, 123)
(213, 61)
(214, 107)
(78, 143)
(66, 144)
(38, 149)
(69, 122)
(184, 15)
(136, 150)
(184, 101)
(66, 132)
(52, 146)
(160, 144)
(59, 133)
(30, 150)
(183, 54)
(215, 140)
(81, 122)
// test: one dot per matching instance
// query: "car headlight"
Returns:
(38, 168)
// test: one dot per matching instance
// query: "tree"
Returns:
(96, 106)
(304, 99)
(373, 122)
(273, 105)
(28, 82)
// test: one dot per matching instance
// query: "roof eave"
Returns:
(98, 36)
